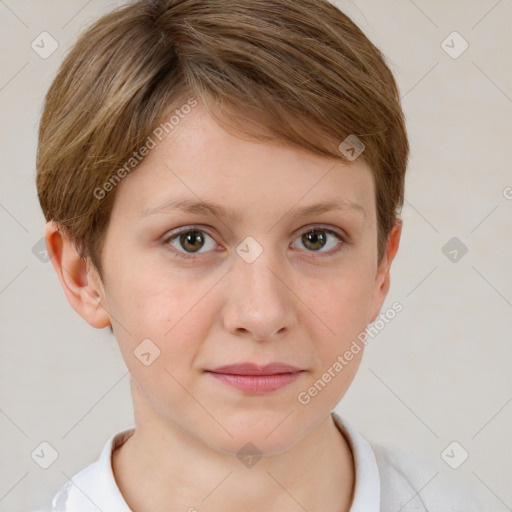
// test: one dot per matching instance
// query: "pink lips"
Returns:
(256, 379)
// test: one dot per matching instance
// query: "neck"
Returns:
(161, 467)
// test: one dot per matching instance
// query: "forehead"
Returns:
(201, 162)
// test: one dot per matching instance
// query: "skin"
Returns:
(293, 304)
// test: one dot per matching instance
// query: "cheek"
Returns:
(147, 297)
(338, 316)
(339, 303)
(176, 322)
(168, 310)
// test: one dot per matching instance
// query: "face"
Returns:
(255, 281)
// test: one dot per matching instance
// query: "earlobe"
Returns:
(80, 282)
(382, 279)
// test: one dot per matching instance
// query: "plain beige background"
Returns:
(438, 373)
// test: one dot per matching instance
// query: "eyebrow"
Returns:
(211, 208)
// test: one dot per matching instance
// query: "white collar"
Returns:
(95, 489)
(367, 479)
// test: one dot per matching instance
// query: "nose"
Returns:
(260, 303)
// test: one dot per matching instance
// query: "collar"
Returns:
(367, 479)
(95, 488)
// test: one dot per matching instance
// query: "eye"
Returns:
(189, 242)
(191, 239)
(317, 238)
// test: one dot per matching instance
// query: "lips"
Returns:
(255, 379)
(256, 370)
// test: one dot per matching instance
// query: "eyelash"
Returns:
(180, 254)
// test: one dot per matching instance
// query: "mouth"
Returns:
(256, 379)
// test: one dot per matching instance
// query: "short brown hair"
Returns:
(297, 72)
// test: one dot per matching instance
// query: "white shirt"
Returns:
(94, 488)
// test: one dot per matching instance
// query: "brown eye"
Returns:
(190, 241)
(318, 238)
(314, 240)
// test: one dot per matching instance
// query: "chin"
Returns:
(268, 434)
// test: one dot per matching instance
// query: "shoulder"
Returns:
(411, 485)
(94, 487)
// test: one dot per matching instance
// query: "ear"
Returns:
(78, 278)
(382, 278)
